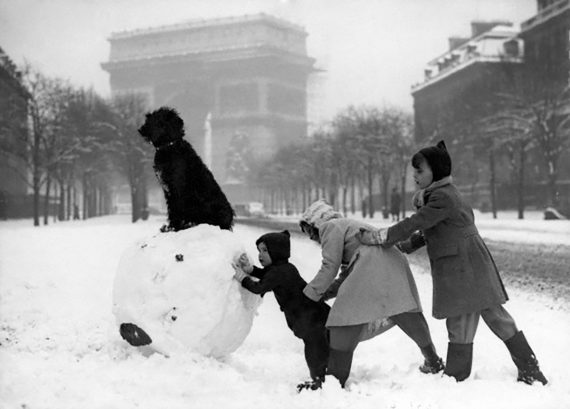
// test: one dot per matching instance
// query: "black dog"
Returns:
(192, 194)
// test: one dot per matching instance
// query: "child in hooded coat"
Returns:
(305, 317)
(466, 282)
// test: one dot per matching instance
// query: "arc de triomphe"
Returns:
(249, 73)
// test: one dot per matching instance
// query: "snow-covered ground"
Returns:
(59, 349)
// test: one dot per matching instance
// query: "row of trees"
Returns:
(500, 129)
(366, 145)
(73, 137)
(361, 147)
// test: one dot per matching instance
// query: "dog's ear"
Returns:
(144, 130)
(175, 122)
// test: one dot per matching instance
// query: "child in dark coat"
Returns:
(466, 282)
(305, 317)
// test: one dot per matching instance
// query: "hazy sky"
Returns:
(372, 50)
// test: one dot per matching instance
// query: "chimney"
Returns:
(455, 42)
(480, 27)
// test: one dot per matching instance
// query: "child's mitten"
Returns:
(371, 238)
(410, 245)
(239, 273)
(244, 263)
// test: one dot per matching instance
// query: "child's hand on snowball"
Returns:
(239, 273)
(244, 263)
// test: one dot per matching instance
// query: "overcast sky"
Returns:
(372, 50)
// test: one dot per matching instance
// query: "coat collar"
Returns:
(418, 199)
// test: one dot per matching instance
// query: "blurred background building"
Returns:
(483, 96)
(248, 75)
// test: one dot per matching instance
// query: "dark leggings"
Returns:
(344, 340)
(317, 352)
(415, 326)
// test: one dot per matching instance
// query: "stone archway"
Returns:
(193, 106)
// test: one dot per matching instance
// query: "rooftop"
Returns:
(205, 23)
(545, 14)
(8, 65)
(494, 41)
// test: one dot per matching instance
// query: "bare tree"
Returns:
(89, 159)
(132, 153)
(33, 136)
(536, 102)
(402, 147)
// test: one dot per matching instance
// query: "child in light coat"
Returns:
(374, 291)
(466, 282)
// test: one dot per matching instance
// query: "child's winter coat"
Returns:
(380, 283)
(465, 278)
(303, 315)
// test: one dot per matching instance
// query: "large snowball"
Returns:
(179, 288)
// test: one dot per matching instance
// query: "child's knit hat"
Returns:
(318, 213)
(278, 245)
(438, 160)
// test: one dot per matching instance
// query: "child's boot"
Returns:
(317, 378)
(433, 363)
(459, 361)
(524, 359)
(313, 384)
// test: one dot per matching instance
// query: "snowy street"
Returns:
(60, 347)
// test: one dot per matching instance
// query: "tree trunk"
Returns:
(384, 183)
(85, 188)
(46, 199)
(352, 195)
(403, 194)
(370, 198)
(101, 202)
(520, 184)
(363, 204)
(332, 196)
(492, 183)
(36, 203)
(61, 207)
(552, 191)
(108, 202)
(36, 168)
(333, 190)
(68, 201)
(135, 214)
(92, 199)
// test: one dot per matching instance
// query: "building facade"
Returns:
(470, 67)
(456, 95)
(468, 84)
(229, 76)
(13, 134)
(547, 40)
